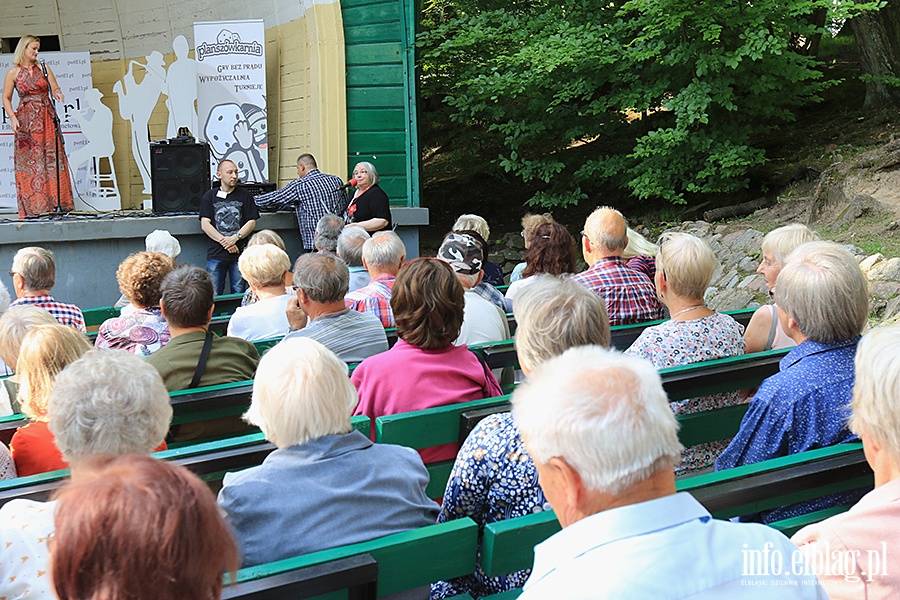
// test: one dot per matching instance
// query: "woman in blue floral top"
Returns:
(685, 265)
(494, 478)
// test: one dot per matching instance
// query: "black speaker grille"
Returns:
(180, 176)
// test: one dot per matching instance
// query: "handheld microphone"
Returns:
(348, 185)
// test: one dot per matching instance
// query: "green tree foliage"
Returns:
(661, 97)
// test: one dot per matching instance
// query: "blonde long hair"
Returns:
(46, 350)
(19, 55)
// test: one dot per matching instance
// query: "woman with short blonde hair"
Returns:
(685, 265)
(764, 332)
(267, 270)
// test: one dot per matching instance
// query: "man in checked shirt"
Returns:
(312, 195)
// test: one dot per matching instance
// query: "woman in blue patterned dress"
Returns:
(685, 265)
(494, 478)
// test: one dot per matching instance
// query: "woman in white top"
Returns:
(764, 331)
(266, 269)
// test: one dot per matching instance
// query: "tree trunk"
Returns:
(877, 37)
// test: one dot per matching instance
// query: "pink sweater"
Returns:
(407, 378)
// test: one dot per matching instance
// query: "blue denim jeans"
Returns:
(218, 269)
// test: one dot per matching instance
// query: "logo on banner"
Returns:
(228, 42)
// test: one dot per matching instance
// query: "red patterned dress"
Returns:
(35, 149)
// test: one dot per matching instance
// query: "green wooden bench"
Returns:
(503, 353)
(508, 546)
(94, 317)
(406, 560)
(358, 575)
(430, 427)
(689, 381)
(209, 460)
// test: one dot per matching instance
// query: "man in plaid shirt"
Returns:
(34, 274)
(383, 255)
(629, 295)
(313, 195)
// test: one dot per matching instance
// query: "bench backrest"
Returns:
(405, 560)
(508, 545)
(358, 575)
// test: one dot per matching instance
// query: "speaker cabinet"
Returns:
(180, 176)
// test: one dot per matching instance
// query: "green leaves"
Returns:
(662, 97)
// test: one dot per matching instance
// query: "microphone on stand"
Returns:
(347, 186)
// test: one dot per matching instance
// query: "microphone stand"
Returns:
(57, 138)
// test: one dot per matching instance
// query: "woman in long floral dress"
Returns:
(40, 178)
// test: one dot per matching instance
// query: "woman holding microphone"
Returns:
(42, 177)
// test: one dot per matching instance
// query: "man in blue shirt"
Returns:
(822, 301)
(598, 426)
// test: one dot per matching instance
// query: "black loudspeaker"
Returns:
(180, 176)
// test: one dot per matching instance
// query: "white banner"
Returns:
(73, 73)
(231, 94)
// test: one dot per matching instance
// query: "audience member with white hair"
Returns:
(598, 426)
(350, 249)
(143, 330)
(685, 265)
(14, 326)
(290, 505)
(765, 332)
(318, 311)
(34, 274)
(640, 254)
(263, 236)
(822, 301)
(267, 271)
(494, 478)
(383, 255)
(870, 527)
(104, 403)
(493, 274)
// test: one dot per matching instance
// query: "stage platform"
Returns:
(88, 247)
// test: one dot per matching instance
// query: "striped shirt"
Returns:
(66, 314)
(353, 336)
(374, 298)
(312, 196)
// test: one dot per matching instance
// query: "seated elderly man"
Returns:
(494, 478)
(267, 270)
(349, 248)
(328, 229)
(34, 274)
(318, 312)
(291, 504)
(822, 299)
(630, 296)
(383, 255)
(105, 403)
(598, 426)
(483, 321)
(869, 532)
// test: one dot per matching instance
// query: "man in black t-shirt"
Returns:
(227, 216)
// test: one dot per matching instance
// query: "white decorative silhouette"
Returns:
(136, 104)
(181, 89)
(100, 144)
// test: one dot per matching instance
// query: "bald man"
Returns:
(629, 295)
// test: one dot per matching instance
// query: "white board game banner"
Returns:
(73, 73)
(231, 94)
